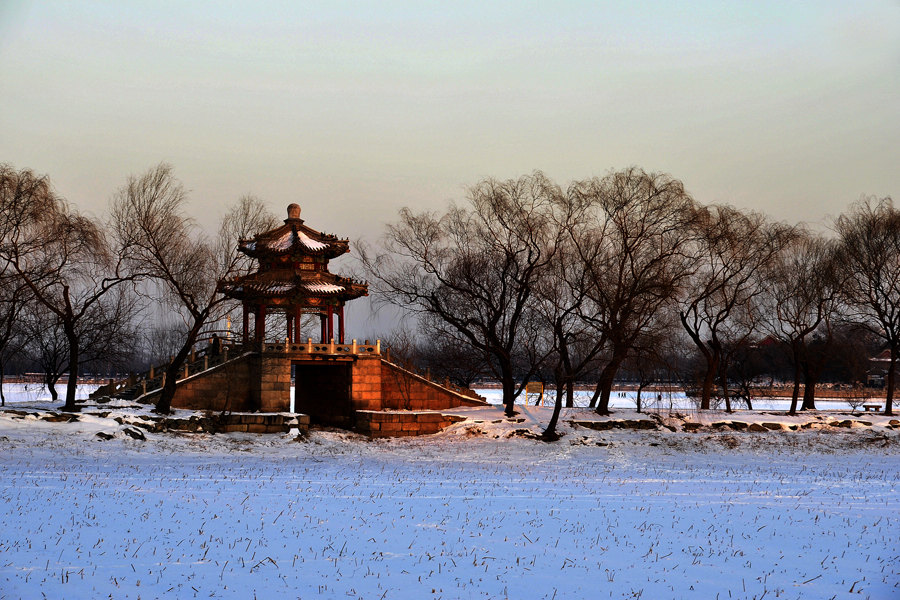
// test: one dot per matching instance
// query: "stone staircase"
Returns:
(140, 385)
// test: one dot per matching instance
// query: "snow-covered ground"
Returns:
(477, 511)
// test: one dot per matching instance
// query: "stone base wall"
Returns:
(262, 423)
(262, 383)
(378, 424)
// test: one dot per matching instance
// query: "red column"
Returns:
(341, 324)
(261, 323)
(290, 327)
(246, 323)
(323, 327)
(330, 324)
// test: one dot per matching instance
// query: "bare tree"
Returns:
(14, 297)
(64, 259)
(732, 249)
(167, 246)
(47, 347)
(474, 268)
(870, 268)
(801, 297)
(634, 246)
(560, 294)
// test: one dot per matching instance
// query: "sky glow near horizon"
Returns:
(354, 110)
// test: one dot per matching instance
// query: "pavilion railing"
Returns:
(329, 348)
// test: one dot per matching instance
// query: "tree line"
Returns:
(624, 273)
(77, 292)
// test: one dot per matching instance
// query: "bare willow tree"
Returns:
(14, 297)
(870, 266)
(634, 246)
(167, 246)
(559, 295)
(801, 298)
(65, 259)
(474, 268)
(731, 251)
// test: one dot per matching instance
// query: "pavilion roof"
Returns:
(294, 237)
(296, 286)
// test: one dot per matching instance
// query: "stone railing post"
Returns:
(378, 348)
(331, 346)
(309, 345)
(353, 348)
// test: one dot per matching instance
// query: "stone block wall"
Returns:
(365, 384)
(379, 424)
(263, 423)
(274, 377)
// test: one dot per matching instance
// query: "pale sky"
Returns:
(354, 110)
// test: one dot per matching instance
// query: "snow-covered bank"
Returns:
(599, 514)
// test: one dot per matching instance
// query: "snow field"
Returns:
(239, 516)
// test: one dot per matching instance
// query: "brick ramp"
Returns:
(402, 389)
(220, 388)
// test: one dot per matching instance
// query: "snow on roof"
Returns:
(323, 288)
(310, 243)
(287, 241)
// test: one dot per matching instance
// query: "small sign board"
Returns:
(534, 389)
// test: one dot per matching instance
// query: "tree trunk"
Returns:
(723, 375)
(2, 395)
(809, 392)
(891, 378)
(594, 396)
(72, 384)
(795, 394)
(509, 388)
(50, 384)
(570, 393)
(709, 378)
(810, 379)
(604, 385)
(173, 370)
(550, 434)
(176, 368)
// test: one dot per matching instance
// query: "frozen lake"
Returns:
(667, 401)
(813, 514)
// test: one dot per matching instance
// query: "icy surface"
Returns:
(670, 400)
(475, 512)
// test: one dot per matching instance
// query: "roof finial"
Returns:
(293, 211)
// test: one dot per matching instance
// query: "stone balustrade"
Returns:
(326, 349)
